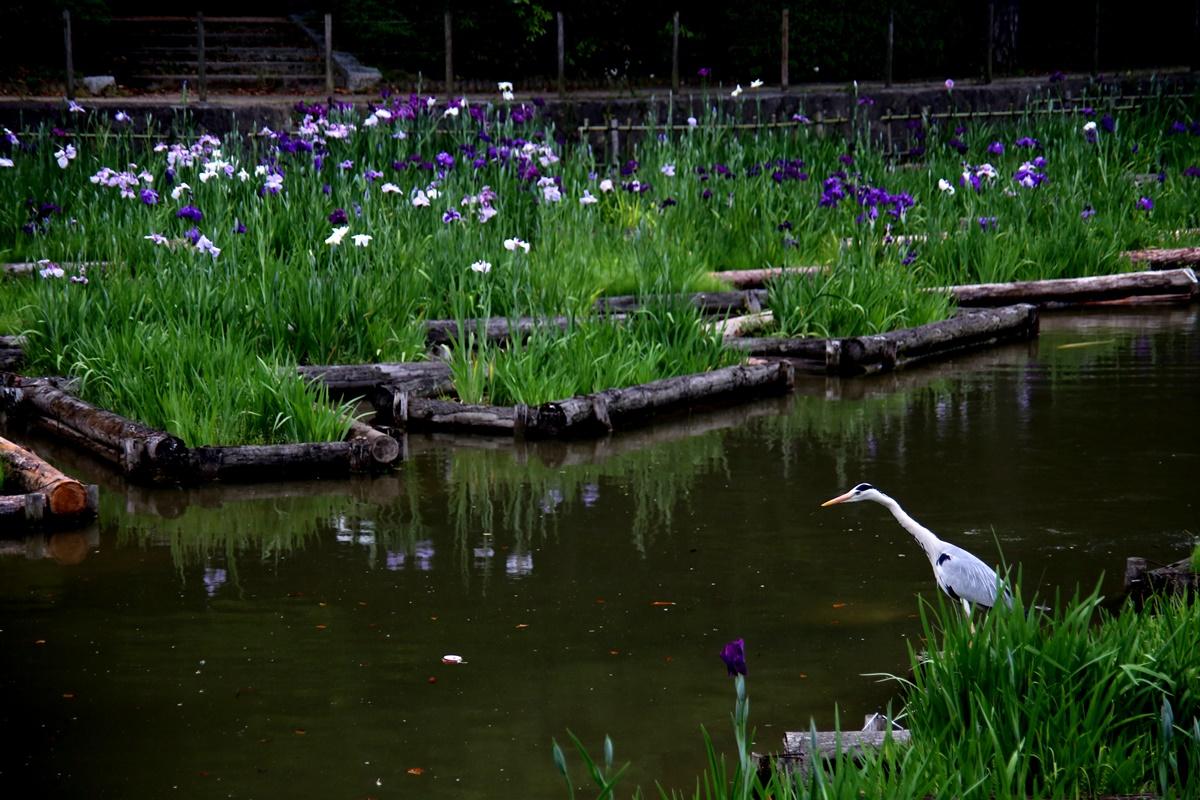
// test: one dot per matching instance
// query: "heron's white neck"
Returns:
(929, 542)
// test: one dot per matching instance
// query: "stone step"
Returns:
(169, 82)
(225, 52)
(220, 67)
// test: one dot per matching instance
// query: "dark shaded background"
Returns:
(623, 42)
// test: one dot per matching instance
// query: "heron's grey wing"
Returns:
(963, 576)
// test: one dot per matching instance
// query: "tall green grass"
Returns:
(1071, 703)
(590, 355)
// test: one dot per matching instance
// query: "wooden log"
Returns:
(11, 359)
(1072, 291)
(970, 329)
(613, 408)
(419, 413)
(1140, 581)
(496, 329)
(138, 450)
(802, 748)
(419, 378)
(746, 301)
(64, 494)
(383, 448)
(757, 278)
(1165, 258)
(734, 327)
(264, 462)
(22, 510)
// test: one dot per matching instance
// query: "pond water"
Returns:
(286, 640)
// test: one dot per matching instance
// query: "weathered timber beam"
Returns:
(401, 410)
(1074, 291)
(20, 510)
(747, 301)
(419, 378)
(382, 447)
(140, 451)
(970, 329)
(1163, 258)
(260, 462)
(494, 329)
(64, 494)
(613, 408)
(757, 278)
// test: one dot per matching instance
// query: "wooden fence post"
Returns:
(70, 55)
(891, 38)
(562, 58)
(615, 133)
(675, 55)
(329, 53)
(991, 35)
(783, 52)
(449, 54)
(201, 78)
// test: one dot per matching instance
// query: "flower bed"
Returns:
(213, 267)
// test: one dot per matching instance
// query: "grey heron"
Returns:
(959, 574)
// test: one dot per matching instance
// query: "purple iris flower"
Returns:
(190, 212)
(846, 159)
(451, 216)
(149, 196)
(444, 160)
(706, 194)
(987, 223)
(1145, 204)
(338, 217)
(670, 201)
(1178, 126)
(629, 167)
(958, 144)
(1191, 172)
(909, 257)
(1108, 123)
(784, 226)
(704, 72)
(372, 175)
(1028, 142)
(734, 656)
(866, 101)
(326, 189)
(238, 227)
(996, 148)
(193, 235)
(1087, 213)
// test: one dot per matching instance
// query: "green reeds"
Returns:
(1061, 703)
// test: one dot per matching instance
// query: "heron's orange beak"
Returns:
(841, 498)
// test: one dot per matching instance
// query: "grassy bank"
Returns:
(219, 264)
(1070, 703)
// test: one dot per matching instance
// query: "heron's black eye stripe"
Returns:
(943, 558)
(862, 487)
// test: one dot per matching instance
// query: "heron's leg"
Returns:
(967, 610)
